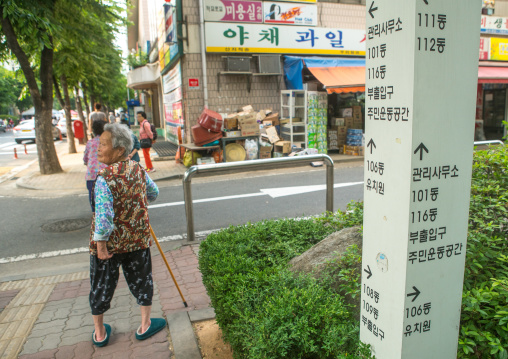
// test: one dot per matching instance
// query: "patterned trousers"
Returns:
(104, 274)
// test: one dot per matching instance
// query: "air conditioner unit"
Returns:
(269, 64)
(238, 64)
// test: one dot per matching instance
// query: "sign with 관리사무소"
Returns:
(254, 38)
(421, 85)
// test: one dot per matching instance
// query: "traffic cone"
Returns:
(26, 153)
(61, 138)
(15, 154)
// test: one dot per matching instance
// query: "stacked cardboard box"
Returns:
(357, 117)
(337, 138)
(353, 150)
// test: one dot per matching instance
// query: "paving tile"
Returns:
(70, 333)
(84, 349)
(6, 297)
(156, 350)
(32, 295)
(78, 338)
(46, 315)
(41, 328)
(51, 341)
(32, 345)
(46, 354)
(61, 303)
(124, 314)
(77, 321)
(65, 352)
(121, 325)
(79, 311)
(11, 314)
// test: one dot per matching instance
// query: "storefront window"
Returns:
(494, 112)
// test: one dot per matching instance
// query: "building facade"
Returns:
(241, 38)
(182, 91)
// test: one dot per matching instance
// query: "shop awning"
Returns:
(341, 79)
(492, 75)
(293, 66)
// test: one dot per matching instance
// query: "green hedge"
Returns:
(264, 310)
(267, 312)
(484, 319)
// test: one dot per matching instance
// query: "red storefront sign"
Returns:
(193, 84)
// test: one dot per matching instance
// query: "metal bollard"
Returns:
(26, 153)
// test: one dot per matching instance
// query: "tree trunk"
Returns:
(42, 100)
(87, 108)
(67, 101)
(92, 100)
(80, 111)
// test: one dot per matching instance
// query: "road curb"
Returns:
(185, 343)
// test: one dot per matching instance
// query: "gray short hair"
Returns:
(121, 136)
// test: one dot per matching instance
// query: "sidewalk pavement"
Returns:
(49, 317)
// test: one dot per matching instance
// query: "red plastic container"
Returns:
(210, 120)
(202, 136)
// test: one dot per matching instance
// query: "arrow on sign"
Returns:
(372, 9)
(421, 148)
(416, 293)
(368, 272)
(371, 144)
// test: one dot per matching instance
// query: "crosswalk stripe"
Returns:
(7, 144)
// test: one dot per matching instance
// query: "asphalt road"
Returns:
(23, 234)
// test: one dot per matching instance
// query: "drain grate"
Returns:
(66, 225)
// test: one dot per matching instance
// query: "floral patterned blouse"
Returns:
(104, 212)
(93, 166)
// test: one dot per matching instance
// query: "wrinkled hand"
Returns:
(102, 251)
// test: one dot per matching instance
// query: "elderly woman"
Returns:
(121, 233)
(93, 166)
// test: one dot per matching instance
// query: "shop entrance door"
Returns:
(494, 113)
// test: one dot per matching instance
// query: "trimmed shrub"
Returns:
(484, 317)
(263, 309)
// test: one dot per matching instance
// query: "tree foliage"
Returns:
(73, 40)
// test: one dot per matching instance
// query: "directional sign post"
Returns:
(421, 75)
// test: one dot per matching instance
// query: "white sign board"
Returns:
(494, 25)
(280, 39)
(290, 14)
(173, 79)
(421, 82)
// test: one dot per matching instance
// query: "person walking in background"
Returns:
(146, 137)
(134, 155)
(96, 115)
(112, 118)
(120, 234)
(93, 166)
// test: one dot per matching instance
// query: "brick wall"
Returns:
(233, 93)
(342, 16)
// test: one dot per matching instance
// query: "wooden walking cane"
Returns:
(167, 265)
